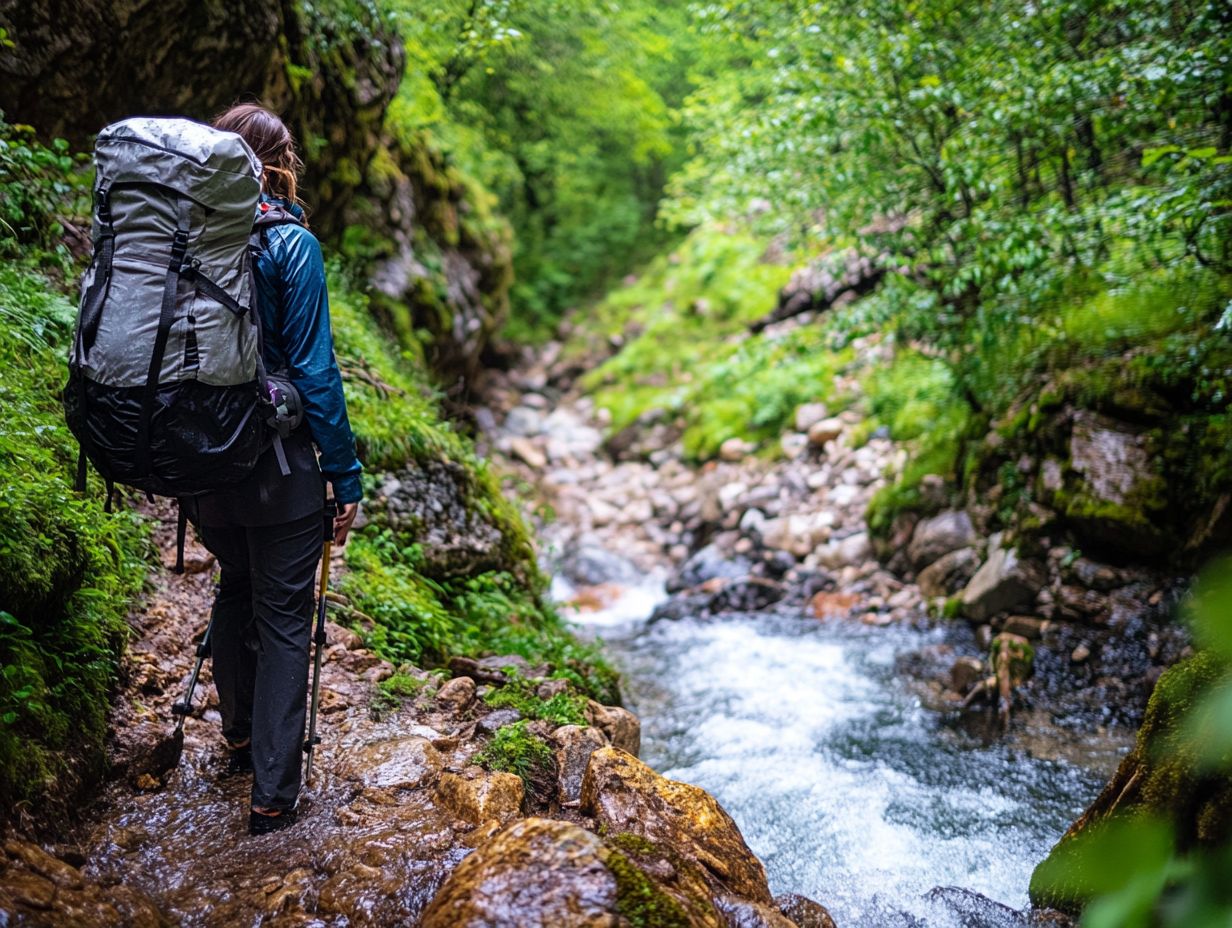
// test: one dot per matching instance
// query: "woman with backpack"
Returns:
(266, 532)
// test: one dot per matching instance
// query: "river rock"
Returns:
(541, 873)
(824, 431)
(479, 795)
(736, 449)
(622, 728)
(457, 693)
(39, 889)
(537, 874)
(798, 533)
(965, 673)
(741, 913)
(803, 911)
(400, 763)
(949, 573)
(938, 536)
(709, 563)
(625, 795)
(809, 414)
(853, 549)
(528, 452)
(1002, 582)
(574, 745)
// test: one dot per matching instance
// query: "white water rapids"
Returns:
(847, 788)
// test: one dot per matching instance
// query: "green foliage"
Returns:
(916, 400)
(393, 410)
(515, 749)
(561, 108)
(69, 572)
(39, 188)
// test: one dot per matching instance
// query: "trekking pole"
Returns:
(319, 637)
(181, 709)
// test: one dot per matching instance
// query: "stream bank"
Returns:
(819, 684)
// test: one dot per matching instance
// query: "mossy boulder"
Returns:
(541, 872)
(1160, 779)
(625, 795)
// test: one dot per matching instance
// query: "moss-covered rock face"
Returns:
(440, 262)
(1160, 779)
(330, 68)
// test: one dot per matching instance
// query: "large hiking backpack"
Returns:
(166, 384)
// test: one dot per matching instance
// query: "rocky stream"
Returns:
(795, 691)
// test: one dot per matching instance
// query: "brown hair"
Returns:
(271, 142)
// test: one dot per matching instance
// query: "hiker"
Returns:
(266, 530)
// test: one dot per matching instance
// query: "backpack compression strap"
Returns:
(166, 318)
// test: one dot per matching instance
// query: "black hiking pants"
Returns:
(262, 627)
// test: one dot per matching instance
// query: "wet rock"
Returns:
(824, 431)
(938, 536)
(622, 728)
(1096, 576)
(477, 795)
(809, 414)
(144, 749)
(457, 693)
(741, 913)
(965, 673)
(497, 719)
(736, 449)
(574, 745)
(39, 889)
(709, 563)
(1002, 582)
(401, 763)
(495, 669)
(541, 873)
(803, 911)
(537, 873)
(625, 795)
(973, 909)
(949, 573)
(431, 507)
(853, 549)
(748, 594)
(1027, 626)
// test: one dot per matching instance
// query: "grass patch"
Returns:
(515, 749)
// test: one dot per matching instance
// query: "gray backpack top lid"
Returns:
(166, 364)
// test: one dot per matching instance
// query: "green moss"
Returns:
(560, 709)
(69, 571)
(639, 901)
(515, 749)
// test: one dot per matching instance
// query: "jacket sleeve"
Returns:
(308, 344)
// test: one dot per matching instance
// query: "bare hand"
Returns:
(342, 522)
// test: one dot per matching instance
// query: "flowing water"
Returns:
(848, 788)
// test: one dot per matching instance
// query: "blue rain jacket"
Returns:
(294, 307)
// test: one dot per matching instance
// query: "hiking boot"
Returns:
(239, 760)
(263, 823)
